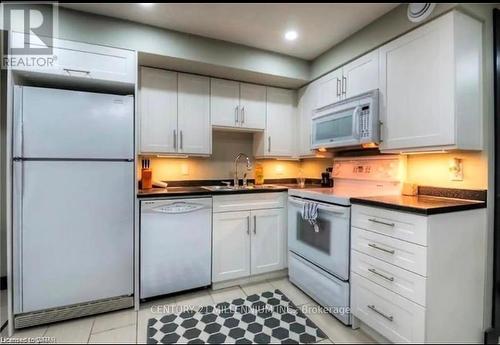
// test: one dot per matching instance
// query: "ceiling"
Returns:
(261, 25)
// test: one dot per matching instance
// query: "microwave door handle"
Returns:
(356, 114)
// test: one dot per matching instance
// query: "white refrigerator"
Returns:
(73, 198)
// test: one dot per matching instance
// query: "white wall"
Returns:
(91, 28)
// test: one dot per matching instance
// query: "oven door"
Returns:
(336, 127)
(327, 248)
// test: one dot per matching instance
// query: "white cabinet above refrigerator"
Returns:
(82, 61)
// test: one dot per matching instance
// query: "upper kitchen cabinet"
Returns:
(195, 133)
(87, 62)
(224, 102)
(430, 92)
(158, 111)
(357, 77)
(174, 113)
(361, 75)
(238, 105)
(305, 107)
(279, 137)
(252, 106)
(329, 89)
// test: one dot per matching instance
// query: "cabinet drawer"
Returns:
(85, 61)
(244, 202)
(398, 280)
(401, 225)
(409, 256)
(393, 316)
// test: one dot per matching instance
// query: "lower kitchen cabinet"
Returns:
(267, 241)
(231, 245)
(417, 278)
(248, 242)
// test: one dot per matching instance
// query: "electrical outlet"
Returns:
(456, 170)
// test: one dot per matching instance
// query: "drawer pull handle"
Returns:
(374, 246)
(372, 307)
(374, 271)
(380, 222)
(69, 70)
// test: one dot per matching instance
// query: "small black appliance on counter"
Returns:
(326, 178)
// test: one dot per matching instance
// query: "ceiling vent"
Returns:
(418, 12)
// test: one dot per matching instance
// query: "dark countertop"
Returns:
(172, 191)
(199, 191)
(420, 204)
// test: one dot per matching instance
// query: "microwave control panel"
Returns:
(364, 122)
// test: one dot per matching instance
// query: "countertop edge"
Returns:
(422, 211)
(208, 192)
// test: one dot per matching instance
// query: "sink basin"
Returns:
(218, 188)
(230, 188)
(266, 186)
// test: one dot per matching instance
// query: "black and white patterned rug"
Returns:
(263, 319)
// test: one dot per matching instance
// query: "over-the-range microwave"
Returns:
(352, 122)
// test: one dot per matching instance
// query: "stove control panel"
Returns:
(381, 168)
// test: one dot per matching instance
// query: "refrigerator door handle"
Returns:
(18, 122)
(18, 176)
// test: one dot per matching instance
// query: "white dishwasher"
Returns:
(176, 245)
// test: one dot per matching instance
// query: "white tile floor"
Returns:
(128, 326)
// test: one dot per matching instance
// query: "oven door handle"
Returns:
(321, 206)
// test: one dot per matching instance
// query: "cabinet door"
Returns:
(329, 89)
(361, 75)
(252, 106)
(82, 61)
(268, 240)
(281, 123)
(304, 112)
(194, 114)
(225, 101)
(158, 111)
(231, 246)
(417, 88)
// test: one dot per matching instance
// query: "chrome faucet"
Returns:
(249, 167)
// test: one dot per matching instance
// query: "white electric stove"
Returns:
(319, 259)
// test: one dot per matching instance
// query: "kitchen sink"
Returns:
(218, 188)
(265, 186)
(231, 188)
